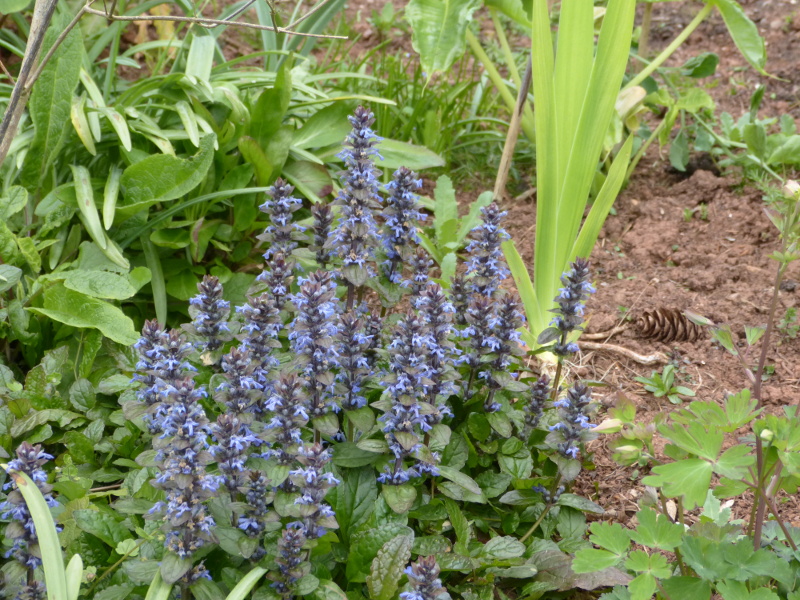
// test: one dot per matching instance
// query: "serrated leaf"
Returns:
(589, 560)
(687, 587)
(689, 478)
(656, 531)
(388, 567)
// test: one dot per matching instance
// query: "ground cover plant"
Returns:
(351, 416)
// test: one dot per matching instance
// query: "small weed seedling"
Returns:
(662, 385)
(788, 326)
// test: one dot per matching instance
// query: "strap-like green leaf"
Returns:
(438, 30)
(53, 561)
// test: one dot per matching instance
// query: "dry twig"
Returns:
(648, 359)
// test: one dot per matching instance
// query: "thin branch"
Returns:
(299, 20)
(241, 10)
(6, 73)
(211, 23)
(513, 132)
(648, 359)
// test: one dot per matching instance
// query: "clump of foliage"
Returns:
(353, 427)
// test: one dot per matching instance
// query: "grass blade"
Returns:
(159, 589)
(246, 584)
(110, 195)
(157, 283)
(49, 545)
(74, 575)
(85, 197)
(526, 292)
(602, 204)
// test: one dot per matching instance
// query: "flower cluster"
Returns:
(21, 531)
(423, 576)
(406, 384)
(312, 334)
(534, 409)
(574, 411)
(486, 266)
(292, 565)
(234, 440)
(289, 404)
(356, 235)
(323, 219)
(420, 264)
(279, 206)
(401, 216)
(571, 300)
(151, 347)
(437, 314)
(256, 515)
(314, 483)
(353, 342)
(210, 311)
(277, 276)
(505, 344)
(262, 324)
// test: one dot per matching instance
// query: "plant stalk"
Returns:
(669, 50)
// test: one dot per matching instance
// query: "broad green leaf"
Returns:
(402, 154)
(400, 498)
(49, 545)
(100, 284)
(438, 29)
(642, 587)
(388, 567)
(655, 564)
(160, 178)
(51, 101)
(271, 106)
(173, 567)
(365, 547)
(744, 33)
(11, 6)
(734, 462)
(461, 479)
(473, 217)
(9, 277)
(101, 525)
(656, 531)
(119, 124)
(78, 310)
(255, 155)
(460, 525)
(687, 587)
(327, 590)
(355, 499)
(201, 54)
(611, 536)
(580, 503)
(695, 439)
(115, 592)
(27, 247)
(589, 560)
(324, 128)
(15, 200)
(689, 478)
(787, 153)
(310, 180)
(502, 548)
(513, 9)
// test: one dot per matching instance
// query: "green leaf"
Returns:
(611, 536)
(702, 65)
(15, 200)
(9, 277)
(327, 590)
(11, 6)
(400, 498)
(27, 247)
(348, 454)
(324, 128)
(355, 499)
(695, 439)
(85, 198)
(271, 106)
(161, 177)
(159, 589)
(254, 154)
(102, 525)
(365, 547)
(688, 478)
(78, 310)
(527, 293)
(388, 567)
(445, 211)
(744, 33)
(679, 151)
(174, 567)
(734, 462)
(687, 587)
(787, 153)
(642, 587)
(461, 479)
(100, 284)
(402, 154)
(656, 531)
(580, 503)
(755, 136)
(460, 526)
(438, 29)
(502, 548)
(589, 560)
(51, 101)
(54, 573)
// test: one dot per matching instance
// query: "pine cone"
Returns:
(668, 325)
